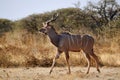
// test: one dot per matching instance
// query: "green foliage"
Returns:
(73, 18)
(5, 25)
(112, 29)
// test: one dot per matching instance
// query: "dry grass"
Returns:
(59, 73)
(20, 48)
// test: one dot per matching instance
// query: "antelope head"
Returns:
(46, 25)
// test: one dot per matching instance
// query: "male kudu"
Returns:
(66, 42)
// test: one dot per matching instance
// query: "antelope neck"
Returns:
(54, 37)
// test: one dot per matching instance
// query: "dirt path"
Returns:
(59, 73)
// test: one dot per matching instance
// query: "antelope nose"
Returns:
(43, 31)
(40, 30)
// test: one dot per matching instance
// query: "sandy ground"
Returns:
(59, 73)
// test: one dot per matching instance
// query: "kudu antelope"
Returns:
(66, 42)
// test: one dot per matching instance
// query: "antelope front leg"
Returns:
(54, 60)
(52, 65)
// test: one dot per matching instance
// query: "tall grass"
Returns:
(21, 48)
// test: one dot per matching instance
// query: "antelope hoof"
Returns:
(87, 72)
(98, 70)
(50, 72)
(68, 72)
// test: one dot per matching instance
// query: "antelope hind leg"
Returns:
(89, 62)
(96, 60)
